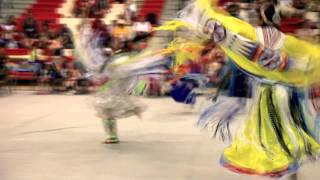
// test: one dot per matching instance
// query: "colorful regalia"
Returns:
(280, 130)
(119, 75)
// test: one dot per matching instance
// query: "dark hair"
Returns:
(233, 9)
(267, 13)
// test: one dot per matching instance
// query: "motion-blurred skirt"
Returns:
(276, 137)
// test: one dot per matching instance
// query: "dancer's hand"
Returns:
(216, 30)
(273, 60)
(269, 59)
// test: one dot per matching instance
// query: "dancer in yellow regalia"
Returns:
(279, 131)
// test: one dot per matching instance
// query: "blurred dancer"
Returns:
(117, 76)
(269, 95)
(279, 132)
(112, 103)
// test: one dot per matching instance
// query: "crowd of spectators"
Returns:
(42, 35)
(49, 46)
(130, 32)
(63, 74)
(124, 33)
(42, 42)
(299, 17)
(33, 34)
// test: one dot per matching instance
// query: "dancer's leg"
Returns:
(110, 126)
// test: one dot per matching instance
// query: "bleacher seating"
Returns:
(44, 10)
(15, 8)
(41, 10)
(48, 10)
(17, 52)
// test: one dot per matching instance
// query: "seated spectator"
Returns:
(82, 83)
(57, 73)
(30, 27)
(11, 23)
(72, 76)
(9, 31)
(11, 42)
(9, 27)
